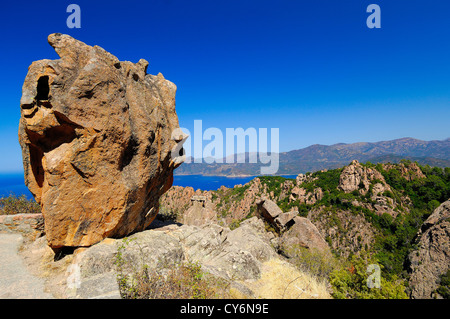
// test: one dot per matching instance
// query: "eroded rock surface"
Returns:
(432, 258)
(96, 138)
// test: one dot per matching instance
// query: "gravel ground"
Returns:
(16, 282)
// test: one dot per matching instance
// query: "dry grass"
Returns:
(182, 281)
(281, 280)
(313, 261)
(185, 280)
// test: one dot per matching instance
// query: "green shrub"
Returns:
(388, 194)
(273, 184)
(235, 223)
(18, 205)
(350, 281)
(444, 286)
(239, 192)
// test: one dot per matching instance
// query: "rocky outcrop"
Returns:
(229, 204)
(231, 255)
(188, 206)
(345, 232)
(177, 199)
(199, 213)
(432, 258)
(301, 195)
(242, 205)
(367, 180)
(409, 172)
(96, 138)
(220, 252)
(357, 177)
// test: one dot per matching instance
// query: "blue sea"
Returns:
(14, 183)
(209, 183)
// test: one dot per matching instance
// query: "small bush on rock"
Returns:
(185, 280)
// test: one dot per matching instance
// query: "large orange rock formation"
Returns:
(96, 138)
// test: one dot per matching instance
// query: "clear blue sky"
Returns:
(311, 68)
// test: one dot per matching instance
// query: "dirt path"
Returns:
(16, 282)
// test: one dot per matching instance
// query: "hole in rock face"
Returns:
(43, 89)
(130, 151)
(62, 252)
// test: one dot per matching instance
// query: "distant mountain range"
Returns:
(317, 157)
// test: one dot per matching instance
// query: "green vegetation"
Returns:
(395, 236)
(18, 205)
(235, 223)
(348, 278)
(412, 196)
(350, 281)
(396, 240)
(274, 184)
(444, 286)
(239, 192)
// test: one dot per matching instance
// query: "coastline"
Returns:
(222, 176)
(232, 176)
(13, 183)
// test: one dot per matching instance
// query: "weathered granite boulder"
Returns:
(432, 258)
(209, 246)
(252, 236)
(96, 138)
(285, 220)
(268, 210)
(302, 233)
(294, 231)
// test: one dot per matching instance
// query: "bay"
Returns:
(13, 183)
(208, 183)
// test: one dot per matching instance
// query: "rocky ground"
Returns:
(245, 258)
